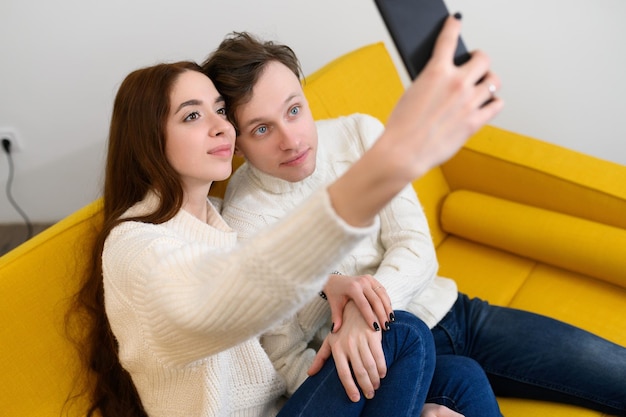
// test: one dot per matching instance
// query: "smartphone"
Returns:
(414, 26)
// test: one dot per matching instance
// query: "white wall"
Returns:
(561, 62)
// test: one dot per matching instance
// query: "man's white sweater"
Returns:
(399, 252)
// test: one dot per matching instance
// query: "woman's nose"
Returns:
(219, 125)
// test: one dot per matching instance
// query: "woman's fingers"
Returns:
(381, 303)
(446, 43)
(487, 89)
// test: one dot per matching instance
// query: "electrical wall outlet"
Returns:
(8, 133)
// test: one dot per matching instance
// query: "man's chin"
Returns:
(302, 174)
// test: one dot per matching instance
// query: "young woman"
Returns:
(177, 306)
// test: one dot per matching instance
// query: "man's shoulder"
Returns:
(240, 187)
(245, 192)
(356, 130)
(352, 121)
(237, 177)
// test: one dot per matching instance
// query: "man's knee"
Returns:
(414, 330)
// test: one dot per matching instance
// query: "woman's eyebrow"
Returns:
(196, 102)
(192, 102)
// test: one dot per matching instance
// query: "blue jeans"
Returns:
(410, 355)
(461, 384)
(457, 382)
(526, 355)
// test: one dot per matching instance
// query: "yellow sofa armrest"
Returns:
(572, 243)
(37, 279)
(526, 170)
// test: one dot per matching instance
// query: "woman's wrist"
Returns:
(322, 293)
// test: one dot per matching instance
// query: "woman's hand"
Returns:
(356, 348)
(445, 104)
(366, 292)
(437, 113)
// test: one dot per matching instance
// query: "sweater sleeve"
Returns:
(193, 299)
(409, 262)
(287, 345)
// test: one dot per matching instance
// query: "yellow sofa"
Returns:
(516, 221)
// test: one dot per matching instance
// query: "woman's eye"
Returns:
(192, 116)
(294, 110)
(222, 111)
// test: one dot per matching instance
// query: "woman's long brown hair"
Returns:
(136, 163)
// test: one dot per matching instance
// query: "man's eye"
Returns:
(294, 110)
(192, 116)
(261, 130)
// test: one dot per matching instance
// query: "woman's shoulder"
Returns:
(133, 236)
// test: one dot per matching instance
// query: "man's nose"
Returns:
(289, 139)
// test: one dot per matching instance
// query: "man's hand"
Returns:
(356, 348)
(436, 410)
(369, 296)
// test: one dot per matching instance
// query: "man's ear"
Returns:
(239, 152)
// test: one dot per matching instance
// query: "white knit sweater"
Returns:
(399, 252)
(187, 307)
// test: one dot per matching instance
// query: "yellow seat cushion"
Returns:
(595, 305)
(483, 271)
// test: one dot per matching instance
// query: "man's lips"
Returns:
(223, 150)
(301, 157)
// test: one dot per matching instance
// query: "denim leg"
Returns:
(460, 383)
(410, 355)
(527, 355)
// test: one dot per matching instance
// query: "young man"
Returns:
(289, 156)
(458, 381)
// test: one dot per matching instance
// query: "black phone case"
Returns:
(414, 26)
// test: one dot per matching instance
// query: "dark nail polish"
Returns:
(386, 325)
(376, 327)
(392, 317)
(458, 16)
(332, 326)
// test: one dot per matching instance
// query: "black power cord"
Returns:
(6, 145)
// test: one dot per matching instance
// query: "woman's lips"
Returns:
(224, 150)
